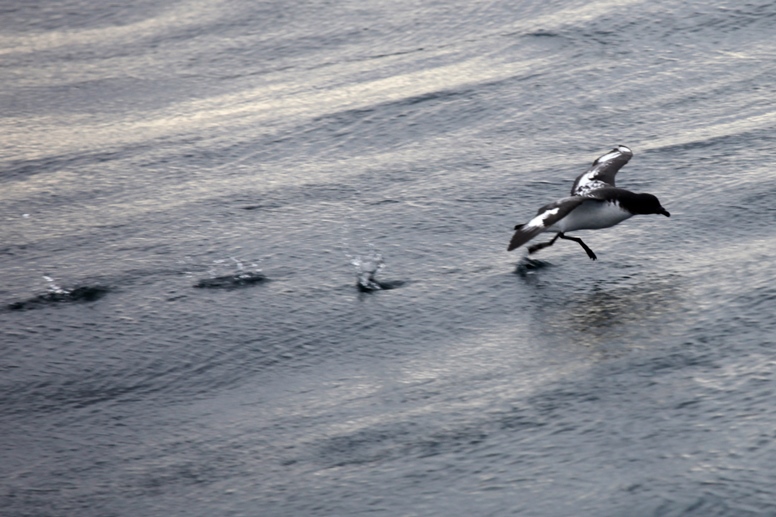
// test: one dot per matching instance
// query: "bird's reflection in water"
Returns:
(613, 317)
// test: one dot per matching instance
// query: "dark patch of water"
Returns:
(76, 295)
(235, 281)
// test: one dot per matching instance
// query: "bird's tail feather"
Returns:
(523, 234)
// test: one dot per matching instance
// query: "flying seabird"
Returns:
(594, 203)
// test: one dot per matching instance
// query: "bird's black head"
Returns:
(647, 204)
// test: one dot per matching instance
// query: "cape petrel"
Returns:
(594, 203)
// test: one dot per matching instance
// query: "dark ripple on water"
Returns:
(527, 266)
(235, 281)
(80, 294)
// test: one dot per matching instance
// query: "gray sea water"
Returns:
(192, 190)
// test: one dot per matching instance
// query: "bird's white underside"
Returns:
(590, 215)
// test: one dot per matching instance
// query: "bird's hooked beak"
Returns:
(664, 212)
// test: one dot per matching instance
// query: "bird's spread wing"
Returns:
(601, 173)
(546, 217)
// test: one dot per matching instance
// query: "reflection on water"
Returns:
(613, 315)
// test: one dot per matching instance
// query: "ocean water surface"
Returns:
(253, 259)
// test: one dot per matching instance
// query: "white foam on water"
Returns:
(53, 288)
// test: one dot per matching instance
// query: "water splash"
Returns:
(367, 264)
(53, 288)
(367, 267)
(242, 272)
(56, 294)
(528, 266)
(241, 277)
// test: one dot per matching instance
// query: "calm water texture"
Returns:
(195, 177)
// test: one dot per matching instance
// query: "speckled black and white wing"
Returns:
(601, 174)
(546, 217)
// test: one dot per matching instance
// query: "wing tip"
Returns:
(621, 150)
(519, 238)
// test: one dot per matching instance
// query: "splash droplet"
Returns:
(366, 268)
